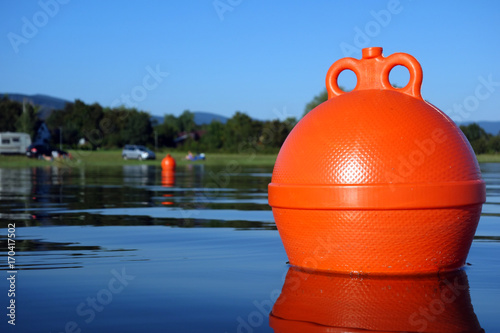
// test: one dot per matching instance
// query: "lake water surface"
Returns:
(129, 249)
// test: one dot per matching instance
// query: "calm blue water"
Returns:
(126, 249)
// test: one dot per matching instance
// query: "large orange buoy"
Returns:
(323, 302)
(376, 180)
(168, 163)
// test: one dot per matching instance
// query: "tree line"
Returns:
(16, 117)
(481, 142)
(111, 128)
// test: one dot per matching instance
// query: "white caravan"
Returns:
(14, 142)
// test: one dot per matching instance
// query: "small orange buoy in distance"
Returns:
(168, 175)
(168, 163)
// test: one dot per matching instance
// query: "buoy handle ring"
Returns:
(372, 72)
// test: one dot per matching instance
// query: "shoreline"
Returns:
(113, 157)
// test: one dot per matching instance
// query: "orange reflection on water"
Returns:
(167, 180)
(322, 302)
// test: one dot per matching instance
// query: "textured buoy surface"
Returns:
(376, 180)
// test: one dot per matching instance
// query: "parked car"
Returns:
(137, 152)
(39, 150)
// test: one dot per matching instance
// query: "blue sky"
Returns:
(265, 58)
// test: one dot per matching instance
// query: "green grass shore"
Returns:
(113, 157)
(488, 158)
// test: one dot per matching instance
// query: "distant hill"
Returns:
(492, 127)
(200, 118)
(47, 103)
